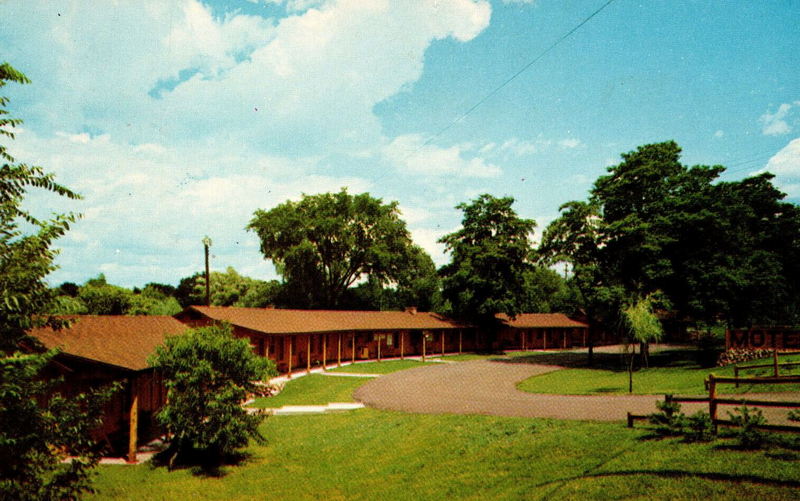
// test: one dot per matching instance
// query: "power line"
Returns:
(510, 79)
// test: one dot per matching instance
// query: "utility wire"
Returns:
(510, 79)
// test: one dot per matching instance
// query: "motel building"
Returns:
(99, 349)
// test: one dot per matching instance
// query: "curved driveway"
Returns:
(489, 387)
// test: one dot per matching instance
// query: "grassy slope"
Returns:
(678, 375)
(371, 454)
(313, 389)
(384, 367)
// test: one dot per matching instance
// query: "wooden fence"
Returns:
(715, 401)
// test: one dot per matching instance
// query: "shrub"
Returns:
(209, 374)
(747, 420)
(669, 420)
(699, 427)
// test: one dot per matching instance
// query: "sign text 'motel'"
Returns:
(780, 338)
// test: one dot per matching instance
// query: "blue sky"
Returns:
(180, 119)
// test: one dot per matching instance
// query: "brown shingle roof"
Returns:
(540, 320)
(278, 321)
(123, 341)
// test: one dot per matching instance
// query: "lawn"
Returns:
(313, 389)
(670, 372)
(370, 454)
(384, 367)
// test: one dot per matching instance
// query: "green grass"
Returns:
(671, 372)
(370, 454)
(313, 389)
(384, 367)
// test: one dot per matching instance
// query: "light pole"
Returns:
(206, 245)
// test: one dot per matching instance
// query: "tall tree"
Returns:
(36, 427)
(325, 243)
(489, 257)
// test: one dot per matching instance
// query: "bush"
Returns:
(699, 427)
(747, 420)
(669, 420)
(209, 374)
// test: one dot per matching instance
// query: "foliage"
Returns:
(102, 298)
(717, 250)
(669, 420)
(699, 427)
(34, 436)
(229, 288)
(548, 292)
(154, 299)
(489, 258)
(323, 244)
(208, 374)
(747, 420)
(642, 323)
(37, 427)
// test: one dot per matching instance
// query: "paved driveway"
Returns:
(489, 387)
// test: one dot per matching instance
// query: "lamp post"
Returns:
(206, 245)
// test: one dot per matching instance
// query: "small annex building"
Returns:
(96, 350)
(301, 339)
(540, 331)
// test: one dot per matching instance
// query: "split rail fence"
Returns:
(715, 401)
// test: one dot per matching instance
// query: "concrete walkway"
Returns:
(489, 387)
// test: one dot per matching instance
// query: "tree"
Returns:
(102, 298)
(325, 243)
(643, 326)
(716, 250)
(37, 427)
(490, 256)
(208, 374)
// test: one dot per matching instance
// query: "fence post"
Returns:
(630, 420)
(736, 375)
(775, 359)
(712, 400)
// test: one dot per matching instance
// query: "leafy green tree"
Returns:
(642, 326)
(36, 426)
(208, 374)
(102, 298)
(548, 292)
(490, 256)
(324, 244)
(153, 300)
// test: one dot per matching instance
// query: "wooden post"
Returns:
(736, 375)
(524, 336)
(324, 351)
(266, 346)
(712, 400)
(564, 334)
(460, 341)
(354, 347)
(424, 342)
(442, 343)
(402, 345)
(584, 336)
(630, 420)
(544, 333)
(308, 354)
(289, 339)
(339, 352)
(775, 358)
(379, 346)
(133, 429)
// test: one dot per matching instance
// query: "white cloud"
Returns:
(776, 124)
(719, 134)
(570, 143)
(409, 154)
(786, 166)
(154, 204)
(170, 70)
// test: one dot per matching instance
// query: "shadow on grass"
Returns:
(200, 463)
(714, 476)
